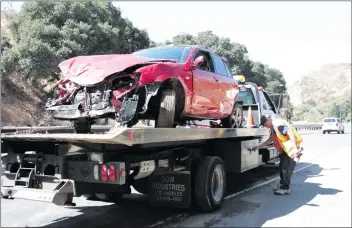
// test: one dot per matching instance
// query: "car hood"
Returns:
(90, 70)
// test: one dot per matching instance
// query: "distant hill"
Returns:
(330, 80)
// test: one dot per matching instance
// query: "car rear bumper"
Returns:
(331, 128)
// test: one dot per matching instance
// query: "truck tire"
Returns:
(210, 184)
(82, 127)
(167, 109)
(235, 119)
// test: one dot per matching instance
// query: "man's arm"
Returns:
(265, 143)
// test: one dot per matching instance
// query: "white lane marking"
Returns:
(264, 183)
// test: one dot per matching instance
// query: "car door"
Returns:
(206, 90)
(228, 86)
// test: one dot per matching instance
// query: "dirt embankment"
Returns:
(23, 103)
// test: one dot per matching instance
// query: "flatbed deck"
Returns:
(135, 136)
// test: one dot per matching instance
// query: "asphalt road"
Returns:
(320, 196)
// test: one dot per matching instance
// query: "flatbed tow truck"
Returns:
(177, 167)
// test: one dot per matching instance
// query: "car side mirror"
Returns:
(199, 60)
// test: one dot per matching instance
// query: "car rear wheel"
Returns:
(235, 119)
(167, 109)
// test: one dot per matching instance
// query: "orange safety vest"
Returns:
(284, 140)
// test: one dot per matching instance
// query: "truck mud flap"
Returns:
(171, 189)
(62, 194)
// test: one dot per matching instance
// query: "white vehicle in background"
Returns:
(333, 124)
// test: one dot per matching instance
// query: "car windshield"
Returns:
(178, 54)
(329, 120)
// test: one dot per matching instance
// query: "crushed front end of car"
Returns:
(105, 86)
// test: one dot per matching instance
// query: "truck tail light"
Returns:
(96, 172)
(122, 173)
(112, 173)
(337, 124)
(104, 173)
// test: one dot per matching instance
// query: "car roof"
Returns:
(202, 47)
(184, 45)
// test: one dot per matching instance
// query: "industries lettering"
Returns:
(166, 187)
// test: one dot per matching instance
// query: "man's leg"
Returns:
(287, 166)
(280, 169)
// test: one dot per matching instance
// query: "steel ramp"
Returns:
(62, 194)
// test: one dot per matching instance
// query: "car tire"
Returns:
(328, 132)
(235, 119)
(207, 199)
(324, 132)
(167, 109)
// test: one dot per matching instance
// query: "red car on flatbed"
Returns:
(169, 84)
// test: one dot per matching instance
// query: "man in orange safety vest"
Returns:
(288, 144)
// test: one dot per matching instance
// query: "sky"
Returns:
(294, 37)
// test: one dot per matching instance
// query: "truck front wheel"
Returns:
(210, 184)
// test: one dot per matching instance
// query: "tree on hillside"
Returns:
(48, 32)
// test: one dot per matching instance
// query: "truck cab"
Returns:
(256, 98)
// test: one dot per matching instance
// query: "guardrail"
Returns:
(104, 128)
(308, 127)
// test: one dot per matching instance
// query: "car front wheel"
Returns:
(167, 109)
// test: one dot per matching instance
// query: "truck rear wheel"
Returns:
(210, 184)
(167, 109)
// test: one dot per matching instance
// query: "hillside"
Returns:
(23, 103)
(323, 92)
(329, 81)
